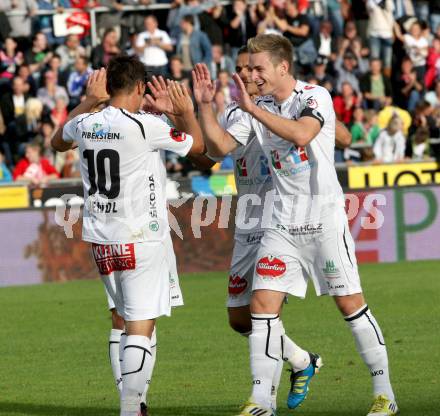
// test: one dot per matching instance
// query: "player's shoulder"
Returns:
(232, 111)
(305, 90)
(84, 118)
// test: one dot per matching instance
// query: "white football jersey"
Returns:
(252, 176)
(124, 174)
(305, 181)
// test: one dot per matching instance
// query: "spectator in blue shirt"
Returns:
(78, 80)
(194, 45)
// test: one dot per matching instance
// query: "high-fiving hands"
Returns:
(169, 97)
(204, 89)
(244, 99)
(96, 86)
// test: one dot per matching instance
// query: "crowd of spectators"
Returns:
(379, 59)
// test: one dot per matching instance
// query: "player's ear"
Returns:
(284, 68)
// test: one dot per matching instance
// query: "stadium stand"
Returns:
(380, 59)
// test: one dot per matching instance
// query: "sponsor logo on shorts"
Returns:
(377, 373)
(330, 270)
(334, 287)
(306, 229)
(271, 267)
(114, 257)
(237, 285)
(177, 135)
(252, 239)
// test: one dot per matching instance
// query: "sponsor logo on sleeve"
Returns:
(237, 285)
(114, 257)
(309, 87)
(177, 135)
(270, 267)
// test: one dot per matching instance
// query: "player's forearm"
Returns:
(189, 124)
(290, 130)
(85, 106)
(213, 133)
(343, 135)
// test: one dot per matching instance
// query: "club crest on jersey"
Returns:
(241, 167)
(237, 285)
(177, 135)
(311, 103)
(270, 267)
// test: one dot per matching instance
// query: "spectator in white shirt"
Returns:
(416, 46)
(390, 144)
(152, 46)
(380, 31)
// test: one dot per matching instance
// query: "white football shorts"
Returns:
(242, 268)
(137, 279)
(322, 252)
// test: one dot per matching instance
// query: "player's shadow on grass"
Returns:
(8, 408)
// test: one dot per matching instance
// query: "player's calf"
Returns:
(370, 344)
(240, 319)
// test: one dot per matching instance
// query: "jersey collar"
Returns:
(288, 101)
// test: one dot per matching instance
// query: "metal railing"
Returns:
(94, 11)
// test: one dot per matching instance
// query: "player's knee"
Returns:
(350, 304)
(117, 320)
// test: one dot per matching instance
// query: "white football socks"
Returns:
(371, 347)
(153, 362)
(113, 350)
(298, 358)
(135, 368)
(265, 353)
(276, 384)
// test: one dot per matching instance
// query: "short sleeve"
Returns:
(241, 129)
(163, 137)
(317, 103)
(70, 129)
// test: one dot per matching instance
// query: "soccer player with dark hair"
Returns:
(125, 214)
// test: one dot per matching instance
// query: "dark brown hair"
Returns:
(123, 74)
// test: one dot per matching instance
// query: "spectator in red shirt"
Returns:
(346, 103)
(34, 168)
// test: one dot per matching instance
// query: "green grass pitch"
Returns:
(53, 349)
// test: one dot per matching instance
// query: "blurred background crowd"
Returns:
(379, 59)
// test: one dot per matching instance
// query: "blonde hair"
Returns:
(394, 125)
(279, 48)
(33, 109)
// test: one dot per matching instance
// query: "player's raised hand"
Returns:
(203, 87)
(159, 99)
(179, 95)
(96, 86)
(244, 100)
